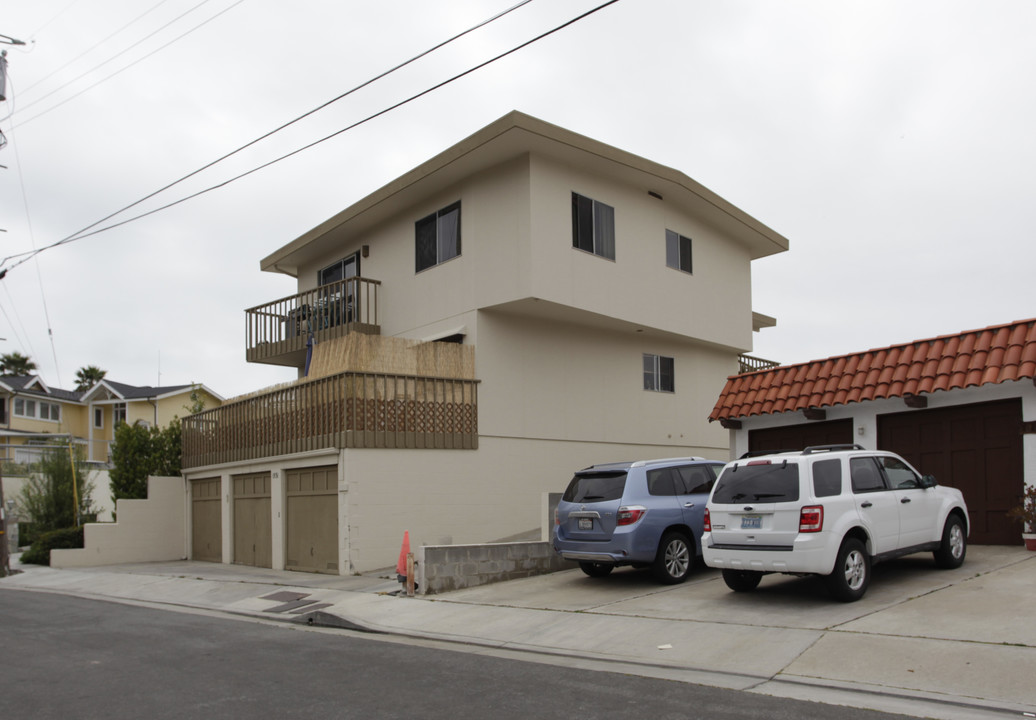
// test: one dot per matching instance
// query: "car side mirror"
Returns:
(928, 481)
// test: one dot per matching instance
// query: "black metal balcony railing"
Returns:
(276, 332)
(747, 363)
(348, 410)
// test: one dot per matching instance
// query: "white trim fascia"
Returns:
(102, 383)
(37, 379)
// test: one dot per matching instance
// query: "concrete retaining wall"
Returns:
(442, 568)
(151, 530)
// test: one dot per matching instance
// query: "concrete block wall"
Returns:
(442, 568)
(150, 530)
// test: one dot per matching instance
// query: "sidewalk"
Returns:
(944, 644)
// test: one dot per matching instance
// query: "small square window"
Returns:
(593, 226)
(437, 237)
(658, 373)
(678, 251)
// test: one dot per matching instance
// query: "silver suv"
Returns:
(830, 510)
(645, 514)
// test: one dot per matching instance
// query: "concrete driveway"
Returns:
(959, 636)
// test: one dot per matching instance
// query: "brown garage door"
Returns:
(206, 520)
(312, 506)
(253, 540)
(798, 437)
(976, 448)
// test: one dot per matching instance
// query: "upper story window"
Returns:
(593, 226)
(99, 417)
(658, 373)
(41, 410)
(341, 270)
(438, 237)
(118, 414)
(678, 251)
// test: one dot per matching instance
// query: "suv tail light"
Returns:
(811, 519)
(707, 527)
(629, 515)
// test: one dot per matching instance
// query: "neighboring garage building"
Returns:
(960, 407)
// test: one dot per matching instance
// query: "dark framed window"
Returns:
(678, 251)
(343, 269)
(865, 475)
(827, 478)
(438, 237)
(658, 373)
(593, 226)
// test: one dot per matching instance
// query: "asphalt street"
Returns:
(71, 657)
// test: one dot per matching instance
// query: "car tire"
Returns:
(596, 569)
(852, 574)
(675, 558)
(954, 544)
(742, 580)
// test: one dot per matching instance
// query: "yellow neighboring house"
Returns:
(33, 414)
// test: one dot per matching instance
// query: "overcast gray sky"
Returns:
(891, 142)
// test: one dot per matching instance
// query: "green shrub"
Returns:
(66, 538)
(27, 533)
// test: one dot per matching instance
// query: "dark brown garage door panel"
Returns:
(976, 448)
(312, 519)
(798, 437)
(206, 520)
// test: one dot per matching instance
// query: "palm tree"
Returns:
(87, 377)
(14, 363)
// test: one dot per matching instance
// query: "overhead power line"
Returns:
(96, 45)
(82, 234)
(126, 67)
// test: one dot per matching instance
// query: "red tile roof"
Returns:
(992, 355)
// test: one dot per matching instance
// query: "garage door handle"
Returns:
(904, 500)
(866, 504)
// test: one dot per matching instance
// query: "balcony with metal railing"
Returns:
(347, 410)
(276, 332)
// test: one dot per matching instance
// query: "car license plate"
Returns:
(751, 522)
(586, 523)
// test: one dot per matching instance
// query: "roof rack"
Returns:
(757, 453)
(831, 448)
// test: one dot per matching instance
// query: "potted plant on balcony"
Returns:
(1026, 513)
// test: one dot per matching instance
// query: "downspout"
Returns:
(155, 406)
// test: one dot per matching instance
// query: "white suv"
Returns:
(830, 510)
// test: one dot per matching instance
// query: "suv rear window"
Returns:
(595, 487)
(758, 483)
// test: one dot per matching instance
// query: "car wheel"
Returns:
(742, 580)
(852, 574)
(674, 560)
(596, 569)
(954, 544)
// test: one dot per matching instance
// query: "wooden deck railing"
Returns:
(349, 410)
(276, 332)
(747, 363)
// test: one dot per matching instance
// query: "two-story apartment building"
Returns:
(581, 304)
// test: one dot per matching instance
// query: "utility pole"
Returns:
(5, 555)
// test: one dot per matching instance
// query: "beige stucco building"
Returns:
(586, 305)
